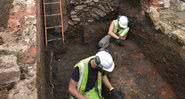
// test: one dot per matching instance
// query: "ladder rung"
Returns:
(53, 14)
(51, 3)
(53, 27)
(50, 40)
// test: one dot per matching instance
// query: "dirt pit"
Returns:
(135, 74)
(148, 66)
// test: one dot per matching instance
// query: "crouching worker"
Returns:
(117, 33)
(88, 76)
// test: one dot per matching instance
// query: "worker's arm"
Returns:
(73, 90)
(107, 82)
(123, 37)
(114, 93)
(111, 33)
(124, 33)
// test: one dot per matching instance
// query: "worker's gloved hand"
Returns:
(115, 94)
(119, 42)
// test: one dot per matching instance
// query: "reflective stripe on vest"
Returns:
(122, 32)
(99, 86)
(83, 70)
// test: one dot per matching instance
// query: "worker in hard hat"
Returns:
(88, 75)
(118, 31)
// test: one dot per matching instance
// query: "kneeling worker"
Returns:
(88, 75)
(118, 31)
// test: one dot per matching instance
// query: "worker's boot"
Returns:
(119, 42)
(104, 42)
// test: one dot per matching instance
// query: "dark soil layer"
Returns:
(134, 75)
(148, 66)
(159, 49)
(5, 6)
(164, 54)
(63, 61)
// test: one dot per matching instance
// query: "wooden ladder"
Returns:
(58, 4)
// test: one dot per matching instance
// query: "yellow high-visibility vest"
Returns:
(121, 32)
(83, 70)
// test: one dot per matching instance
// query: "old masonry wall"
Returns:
(18, 49)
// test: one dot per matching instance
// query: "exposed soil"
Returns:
(63, 61)
(134, 75)
(163, 53)
(147, 66)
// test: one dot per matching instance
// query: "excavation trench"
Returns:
(148, 66)
(145, 69)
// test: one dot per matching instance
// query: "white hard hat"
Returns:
(105, 61)
(123, 21)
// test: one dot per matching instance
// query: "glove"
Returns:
(119, 42)
(115, 94)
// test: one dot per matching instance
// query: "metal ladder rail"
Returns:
(45, 23)
(57, 14)
(62, 21)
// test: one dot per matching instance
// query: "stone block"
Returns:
(180, 35)
(80, 7)
(165, 28)
(99, 12)
(155, 16)
(166, 3)
(180, 5)
(9, 70)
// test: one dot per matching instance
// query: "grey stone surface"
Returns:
(80, 7)
(24, 90)
(155, 17)
(181, 14)
(180, 5)
(9, 70)
(170, 22)
(99, 12)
